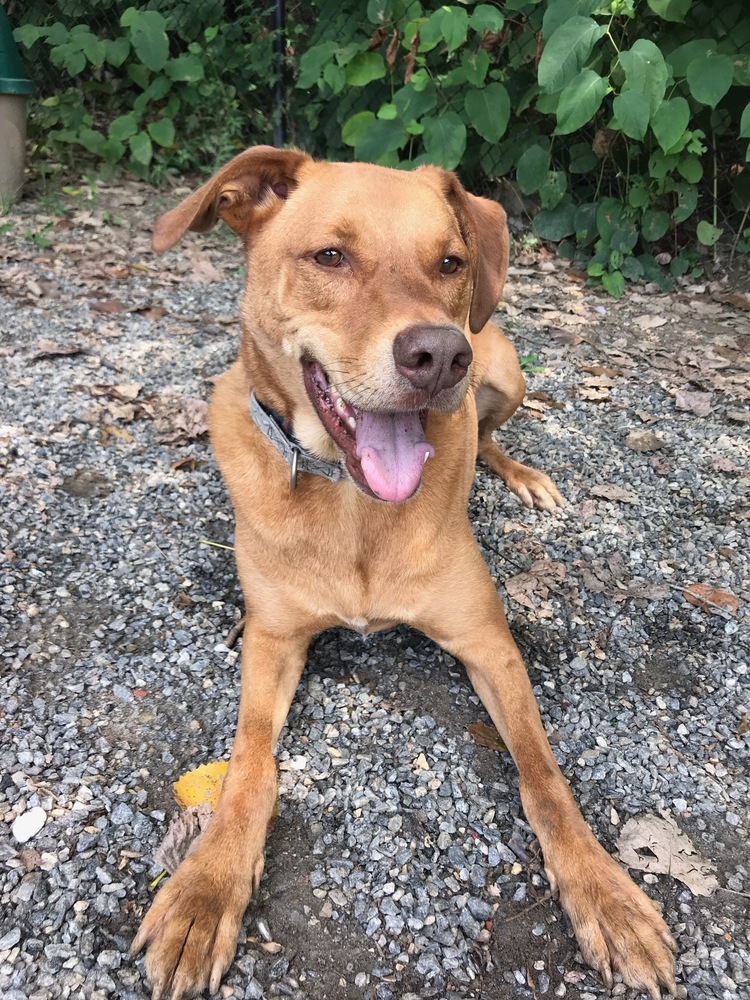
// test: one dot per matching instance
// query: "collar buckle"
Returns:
(280, 434)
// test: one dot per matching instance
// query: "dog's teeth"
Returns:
(340, 404)
(426, 456)
(352, 423)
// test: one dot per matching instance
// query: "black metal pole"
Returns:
(279, 52)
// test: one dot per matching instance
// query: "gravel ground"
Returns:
(400, 866)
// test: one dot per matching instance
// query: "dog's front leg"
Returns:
(191, 930)
(618, 928)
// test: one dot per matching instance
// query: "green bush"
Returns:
(625, 122)
(604, 111)
(153, 96)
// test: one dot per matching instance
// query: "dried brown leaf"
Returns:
(608, 491)
(565, 337)
(486, 736)
(602, 370)
(535, 408)
(594, 394)
(723, 464)
(189, 464)
(702, 308)
(126, 392)
(108, 306)
(30, 857)
(656, 844)
(707, 598)
(644, 441)
(182, 831)
(151, 312)
(113, 431)
(595, 578)
(49, 349)
(649, 321)
(204, 270)
(740, 300)
(698, 403)
(543, 397)
(377, 38)
(410, 62)
(542, 576)
(392, 50)
(184, 420)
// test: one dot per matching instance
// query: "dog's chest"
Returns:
(366, 626)
(358, 624)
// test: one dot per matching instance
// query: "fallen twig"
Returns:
(234, 633)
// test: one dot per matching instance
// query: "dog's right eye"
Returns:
(329, 257)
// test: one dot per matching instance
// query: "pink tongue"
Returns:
(391, 448)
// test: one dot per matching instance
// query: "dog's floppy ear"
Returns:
(485, 230)
(243, 194)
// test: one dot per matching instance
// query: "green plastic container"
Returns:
(15, 88)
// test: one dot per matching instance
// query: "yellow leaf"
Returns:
(203, 784)
(112, 430)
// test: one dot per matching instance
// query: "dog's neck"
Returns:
(264, 380)
(278, 430)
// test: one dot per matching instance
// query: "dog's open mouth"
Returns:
(385, 452)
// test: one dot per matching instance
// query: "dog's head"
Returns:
(362, 283)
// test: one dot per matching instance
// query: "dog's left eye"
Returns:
(449, 265)
(329, 257)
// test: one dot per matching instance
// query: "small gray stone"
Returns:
(456, 857)
(122, 814)
(10, 939)
(479, 909)
(469, 925)
(109, 959)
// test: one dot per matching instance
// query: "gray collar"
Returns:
(278, 430)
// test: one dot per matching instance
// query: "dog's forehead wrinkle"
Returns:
(402, 206)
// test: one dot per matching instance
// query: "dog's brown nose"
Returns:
(433, 358)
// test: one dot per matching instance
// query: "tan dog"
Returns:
(365, 328)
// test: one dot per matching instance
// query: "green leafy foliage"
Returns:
(150, 97)
(618, 120)
(602, 110)
(567, 50)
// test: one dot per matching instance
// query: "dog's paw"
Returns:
(534, 489)
(190, 933)
(619, 929)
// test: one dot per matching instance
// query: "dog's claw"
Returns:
(619, 929)
(190, 933)
(534, 489)
(217, 972)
